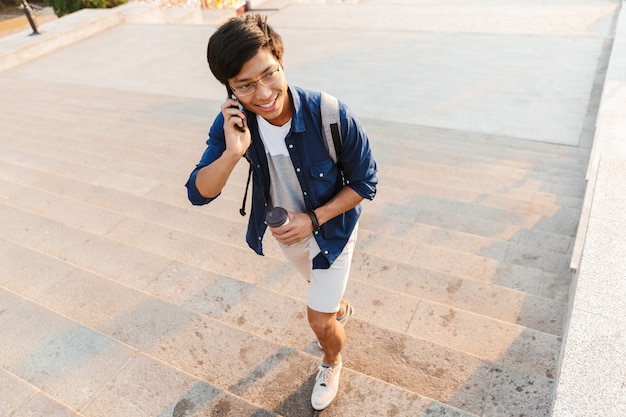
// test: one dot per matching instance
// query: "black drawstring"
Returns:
(242, 210)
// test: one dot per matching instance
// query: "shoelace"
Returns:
(325, 374)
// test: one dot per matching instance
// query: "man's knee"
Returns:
(321, 323)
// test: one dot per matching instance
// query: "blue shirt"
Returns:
(319, 177)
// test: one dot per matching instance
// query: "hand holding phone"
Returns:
(242, 126)
(231, 94)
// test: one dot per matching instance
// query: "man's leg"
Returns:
(329, 332)
(324, 302)
(331, 336)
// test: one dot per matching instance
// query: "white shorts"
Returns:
(326, 286)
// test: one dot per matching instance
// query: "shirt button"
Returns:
(317, 232)
(260, 238)
(305, 193)
(325, 252)
(321, 174)
(291, 146)
(297, 169)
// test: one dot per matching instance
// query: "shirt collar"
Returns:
(298, 118)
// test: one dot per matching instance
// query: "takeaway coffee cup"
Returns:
(276, 217)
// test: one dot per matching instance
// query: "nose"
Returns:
(262, 91)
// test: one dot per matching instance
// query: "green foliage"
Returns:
(103, 4)
(63, 7)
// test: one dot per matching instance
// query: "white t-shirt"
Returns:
(285, 189)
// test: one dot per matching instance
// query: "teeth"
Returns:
(267, 105)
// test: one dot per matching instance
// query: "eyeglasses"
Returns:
(266, 80)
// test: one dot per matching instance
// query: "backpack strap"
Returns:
(329, 108)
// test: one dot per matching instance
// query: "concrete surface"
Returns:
(117, 298)
(593, 374)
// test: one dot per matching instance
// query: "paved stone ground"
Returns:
(119, 299)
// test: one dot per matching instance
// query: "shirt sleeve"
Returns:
(216, 145)
(360, 169)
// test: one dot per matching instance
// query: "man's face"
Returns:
(272, 102)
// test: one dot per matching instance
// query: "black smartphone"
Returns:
(231, 94)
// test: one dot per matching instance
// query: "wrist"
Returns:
(314, 220)
(232, 156)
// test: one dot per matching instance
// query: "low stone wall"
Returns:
(19, 47)
(592, 379)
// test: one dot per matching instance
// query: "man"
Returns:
(278, 128)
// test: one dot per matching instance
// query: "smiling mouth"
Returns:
(268, 105)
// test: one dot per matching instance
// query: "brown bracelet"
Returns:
(314, 220)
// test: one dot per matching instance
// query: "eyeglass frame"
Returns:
(277, 68)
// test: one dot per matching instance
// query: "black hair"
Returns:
(237, 41)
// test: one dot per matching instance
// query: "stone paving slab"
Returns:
(13, 391)
(69, 361)
(42, 405)
(146, 387)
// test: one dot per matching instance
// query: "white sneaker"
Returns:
(326, 386)
(343, 320)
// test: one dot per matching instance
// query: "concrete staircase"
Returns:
(120, 299)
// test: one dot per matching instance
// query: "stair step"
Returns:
(473, 218)
(474, 179)
(98, 221)
(260, 363)
(107, 216)
(460, 241)
(483, 264)
(514, 150)
(139, 186)
(514, 198)
(179, 284)
(113, 154)
(470, 158)
(521, 255)
(445, 374)
(208, 298)
(117, 161)
(458, 277)
(430, 173)
(471, 151)
(135, 184)
(440, 142)
(497, 299)
(237, 314)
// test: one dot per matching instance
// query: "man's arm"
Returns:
(210, 179)
(345, 200)
(300, 224)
